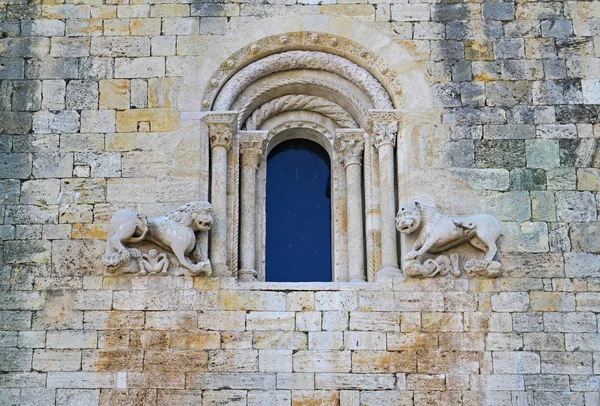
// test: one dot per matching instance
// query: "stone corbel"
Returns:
(350, 144)
(382, 125)
(221, 129)
(252, 145)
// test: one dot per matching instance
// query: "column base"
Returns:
(387, 273)
(358, 280)
(220, 270)
(247, 275)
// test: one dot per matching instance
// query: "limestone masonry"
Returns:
(481, 120)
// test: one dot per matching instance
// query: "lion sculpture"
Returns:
(437, 233)
(177, 231)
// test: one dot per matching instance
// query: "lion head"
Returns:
(197, 215)
(408, 219)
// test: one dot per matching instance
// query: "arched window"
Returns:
(298, 213)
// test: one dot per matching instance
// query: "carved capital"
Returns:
(221, 127)
(251, 147)
(383, 125)
(350, 144)
(384, 132)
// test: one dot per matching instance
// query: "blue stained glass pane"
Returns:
(298, 241)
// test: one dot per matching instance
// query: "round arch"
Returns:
(390, 63)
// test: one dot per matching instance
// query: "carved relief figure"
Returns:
(437, 233)
(177, 231)
(153, 262)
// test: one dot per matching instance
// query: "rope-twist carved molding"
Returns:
(303, 60)
(300, 102)
(288, 81)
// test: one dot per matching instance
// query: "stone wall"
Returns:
(91, 120)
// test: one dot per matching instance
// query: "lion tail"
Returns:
(143, 226)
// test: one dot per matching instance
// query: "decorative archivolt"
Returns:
(300, 102)
(303, 60)
(345, 96)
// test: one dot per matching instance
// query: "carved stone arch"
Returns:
(300, 102)
(314, 60)
(324, 84)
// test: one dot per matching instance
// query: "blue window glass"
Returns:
(298, 213)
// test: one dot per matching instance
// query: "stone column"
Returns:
(221, 128)
(351, 144)
(384, 133)
(251, 150)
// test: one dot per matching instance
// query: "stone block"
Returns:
(112, 360)
(503, 11)
(70, 47)
(337, 301)
(582, 342)
(159, 119)
(364, 340)
(588, 179)
(233, 361)
(20, 252)
(525, 237)
(24, 47)
(576, 322)
(84, 27)
(56, 360)
(542, 154)
(557, 92)
(322, 361)
(14, 68)
(326, 340)
(556, 131)
(53, 165)
(251, 300)
(552, 302)
(572, 363)
(314, 397)
(588, 301)
(15, 360)
(506, 154)
(575, 206)
(114, 94)
(296, 381)
(95, 68)
(222, 320)
(246, 381)
(66, 121)
(410, 12)
(557, 28)
(26, 95)
(411, 341)
(516, 362)
(83, 380)
(82, 191)
(53, 92)
(584, 236)
(15, 320)
(300, 301)
(391, 397)
(374, 321)
(275, 361)
(308, 321)
(444, 362)
(171, 320)
(72, 213)
(102, 121)
(77, 257)
(503, 342)
(176, 361)
(505, 93)
(528, 179)
(15, 166)
(140, 67)
(12, 122)
(355, 381)
(82, 95)
(163, 46)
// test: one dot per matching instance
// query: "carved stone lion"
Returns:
(176, 231)
(437, 233)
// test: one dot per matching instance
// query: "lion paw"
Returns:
(411, 255)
